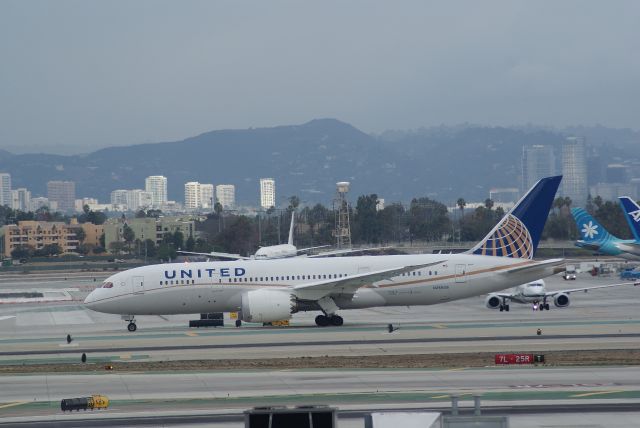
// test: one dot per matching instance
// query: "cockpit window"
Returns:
(107, 285)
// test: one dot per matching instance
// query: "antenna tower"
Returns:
(341, 209)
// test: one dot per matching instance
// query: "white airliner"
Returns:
(536, 294)
(283, 251)
(280, 251)
(271, 290)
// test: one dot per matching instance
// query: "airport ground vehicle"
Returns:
(94, 402)
(630, 274)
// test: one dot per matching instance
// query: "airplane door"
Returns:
(461, 273)
(138, 284)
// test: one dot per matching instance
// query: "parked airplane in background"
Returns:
(280, 251)
(271, 290)
(595, 237)
(632, 214)
(536, 294)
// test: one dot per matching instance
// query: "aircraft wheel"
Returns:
(546, 306)
(501, 308)
(238, 323)
(132, 327)
(322, 321)
(506, 308)
(336, 320)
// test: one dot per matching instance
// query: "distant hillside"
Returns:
(305, 160)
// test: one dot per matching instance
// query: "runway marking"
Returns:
(17, 403)
(191, 333)
(458, 369)
(125, 357)
(8, 317)
(439, 326)
(589, 394)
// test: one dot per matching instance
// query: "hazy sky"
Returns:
(78, 75)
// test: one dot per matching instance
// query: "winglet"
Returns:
(518, 233)
(290, 242)
(632, 213)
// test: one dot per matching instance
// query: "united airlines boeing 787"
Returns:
(270, 290)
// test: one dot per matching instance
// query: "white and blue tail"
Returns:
(632, 213)
(518, 233)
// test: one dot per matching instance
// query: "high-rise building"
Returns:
(192, 195)
(226, 195)
(119, 197)
(21, 199)
(538, 161)
(574, 171)
(157, 185)
(207, 196)
(267, 193)
(40, 202)
(138, 199)
(62, 193)
(5, 189)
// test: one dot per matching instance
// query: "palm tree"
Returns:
(461, 204)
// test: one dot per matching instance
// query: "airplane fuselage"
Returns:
(218, 286)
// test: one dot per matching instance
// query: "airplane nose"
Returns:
(90, 300)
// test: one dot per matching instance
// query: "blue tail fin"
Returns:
(589, 228)
(632, 213)
(519, 231)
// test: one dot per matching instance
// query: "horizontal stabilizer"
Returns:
(551, 263)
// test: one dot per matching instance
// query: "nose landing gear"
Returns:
(132, 322)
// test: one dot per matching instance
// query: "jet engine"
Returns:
(267, 305)
(561, 300)
(492, 301)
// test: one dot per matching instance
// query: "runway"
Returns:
(531, 390)
(36, 333)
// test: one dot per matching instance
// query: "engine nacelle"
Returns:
(492, 301)
(267, 305)
(561, 300)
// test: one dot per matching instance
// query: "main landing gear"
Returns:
(504, 306)
(132, 327)
(325, 320)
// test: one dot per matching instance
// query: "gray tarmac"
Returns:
(600, 319)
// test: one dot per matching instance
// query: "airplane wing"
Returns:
(302, 250)
(346, 251)
(558, 264)
(216, 254)
(586, 289)
(350, 284)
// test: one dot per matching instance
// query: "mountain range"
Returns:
(307, 160)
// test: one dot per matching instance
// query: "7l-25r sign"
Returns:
(504, 359)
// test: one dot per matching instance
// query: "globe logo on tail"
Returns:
(510, 239)
(589, 230)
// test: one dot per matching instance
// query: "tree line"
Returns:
(423, 219)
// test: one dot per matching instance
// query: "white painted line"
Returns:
(8, 317)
